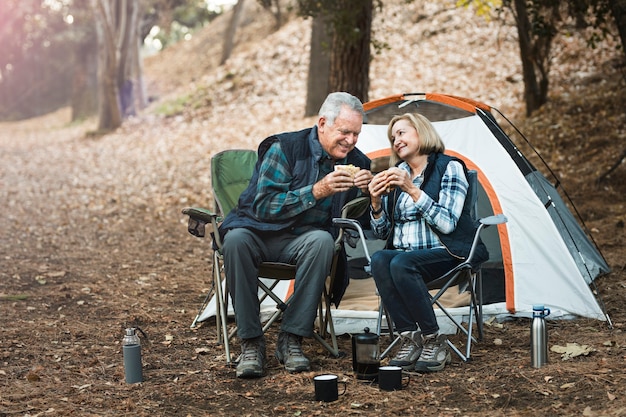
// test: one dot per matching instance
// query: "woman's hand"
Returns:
(378, 186)
(386, 181)
(397, 177)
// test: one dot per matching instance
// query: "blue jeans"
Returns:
(401, 281)
(312, 253)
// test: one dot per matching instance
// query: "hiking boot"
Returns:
(289, 353)
(252, 360)
(410, 350)
(435, 354)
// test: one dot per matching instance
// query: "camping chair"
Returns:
(231, 171)
(467, 276)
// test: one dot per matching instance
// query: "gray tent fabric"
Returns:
(589, 260)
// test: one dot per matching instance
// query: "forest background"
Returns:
(93, 239)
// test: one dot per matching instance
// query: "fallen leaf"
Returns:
(32, 376)
(571, 350)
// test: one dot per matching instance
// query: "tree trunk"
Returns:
(350, 50)
(109, 114)
(84, 100)
(534, 53)
(141, 97)
(229, 36)
(319, 67)
(128, 65)
(618, 10)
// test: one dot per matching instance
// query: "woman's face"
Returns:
(405, 139)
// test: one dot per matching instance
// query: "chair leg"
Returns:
(326, 325)
(205, 302)
(479, 293)
(332, 349)
(391, 346)
(476, 310)
(475, 313)
(221, 311)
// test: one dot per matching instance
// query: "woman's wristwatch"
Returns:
(376, 212)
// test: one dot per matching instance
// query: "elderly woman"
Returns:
(418, 205)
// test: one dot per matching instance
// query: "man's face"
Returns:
(340, 138)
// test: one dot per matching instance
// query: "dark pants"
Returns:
(400, 278)
(311, 252)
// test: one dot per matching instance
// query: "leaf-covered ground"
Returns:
(93, 239)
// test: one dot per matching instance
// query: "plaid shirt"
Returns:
(275, 199)
(413, 221)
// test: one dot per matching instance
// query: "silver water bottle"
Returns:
(539, 336)
(131, 347)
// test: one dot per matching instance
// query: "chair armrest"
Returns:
(198, 213)
(355, 208)
(493, 220)
(198, 218)
(354, 225)
(484, 223)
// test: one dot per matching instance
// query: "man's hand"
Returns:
(333, 183)
(362, 180)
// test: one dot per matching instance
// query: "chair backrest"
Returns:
(231, 171)
(472, 193)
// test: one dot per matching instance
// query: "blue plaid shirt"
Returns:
(275, 199)
(414, 220)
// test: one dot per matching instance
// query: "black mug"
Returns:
(326, 388)
(390, 378)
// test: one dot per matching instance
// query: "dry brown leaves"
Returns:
(93, 239)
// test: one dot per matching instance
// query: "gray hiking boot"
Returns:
(410, 350)
(252, 360)
(435, 354)
(289, 353)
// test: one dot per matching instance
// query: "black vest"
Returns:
(303, 159)
(459, 241)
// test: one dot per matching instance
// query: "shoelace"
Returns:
(430, 349)
(294, 347)
(250, 351)
(407, 346)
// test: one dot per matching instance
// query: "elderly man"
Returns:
(285, 216)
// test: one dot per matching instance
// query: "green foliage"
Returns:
(177, 19)
(483, 8)
(174, 107)
(544, 15)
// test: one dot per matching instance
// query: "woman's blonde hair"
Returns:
(429, 139)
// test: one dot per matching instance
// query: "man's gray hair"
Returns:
(335, 101)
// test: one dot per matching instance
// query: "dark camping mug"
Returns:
(390, 378)
(326, 388)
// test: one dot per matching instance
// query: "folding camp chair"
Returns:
(231, 171)
(467, 276)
